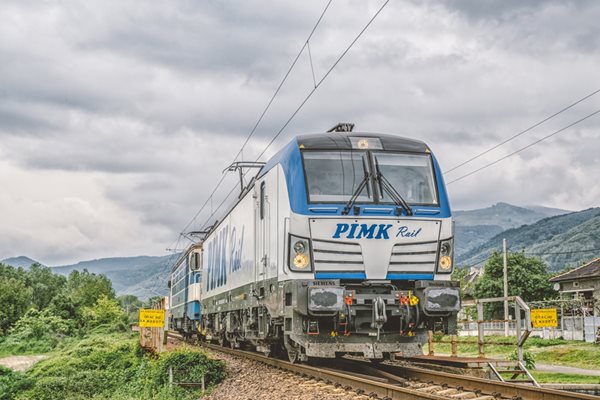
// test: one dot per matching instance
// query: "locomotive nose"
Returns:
(375, 248)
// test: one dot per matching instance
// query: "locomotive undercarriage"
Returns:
(329, 318)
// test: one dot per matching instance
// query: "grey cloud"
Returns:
(144, 105)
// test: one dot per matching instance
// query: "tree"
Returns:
(527, 277)
(45, 285)
(15, 300)
(150, 302)
(85, 288)
(35, 325)
(105, 311)
(63, 306)
(131, 304)
(460, 274)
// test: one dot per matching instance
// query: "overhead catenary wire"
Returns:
(479, 261)
(543, 253)
(318, 84)
(268, 106)
(297, 110)
(524, 148)
(523, 131)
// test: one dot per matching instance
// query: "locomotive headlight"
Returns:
(445, 263)
(446, 255)
(300, 246)
(363, 144)
(299, 254)
(300, 261)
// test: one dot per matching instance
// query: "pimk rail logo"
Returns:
(224, 254)
(373, 231)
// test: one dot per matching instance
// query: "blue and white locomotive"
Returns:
(341, 244)
(185, 284)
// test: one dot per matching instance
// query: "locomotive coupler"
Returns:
(379, 315)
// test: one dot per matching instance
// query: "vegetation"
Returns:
(557, 377)
(527, 278)
(84, 328)
(111, 367)
(544, 351)
(563, 236)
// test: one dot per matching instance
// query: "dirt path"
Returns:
(20, 363)
(566, 370)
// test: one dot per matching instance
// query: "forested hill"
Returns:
(143, 276)
(561, 241)
(504, 215)
(21, 261)
(473, 228)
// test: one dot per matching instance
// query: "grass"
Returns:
(557, 377)
(553, 351)
(110, 366)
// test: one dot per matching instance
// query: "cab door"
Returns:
(261, 217)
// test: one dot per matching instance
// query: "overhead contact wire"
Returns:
(525, 147)
(523, 132)
(257, 122)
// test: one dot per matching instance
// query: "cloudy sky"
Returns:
(117, 117)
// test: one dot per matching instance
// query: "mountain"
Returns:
(21, 261)
(473, 228)
(143, 276)
(561, 241)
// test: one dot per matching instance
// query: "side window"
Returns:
(262, 200)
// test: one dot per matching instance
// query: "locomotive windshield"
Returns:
(334, 176)
(410, 174)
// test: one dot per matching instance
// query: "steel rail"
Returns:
(507, 390)
(368, 386)
(484, 388)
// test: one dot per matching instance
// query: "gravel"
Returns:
(248, 379)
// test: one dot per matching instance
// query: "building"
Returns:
(581, 283)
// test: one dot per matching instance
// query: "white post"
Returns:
(505, 260)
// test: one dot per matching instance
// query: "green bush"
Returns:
(11, 383)
(105, 311)
(190, 366)
(528, 359)
(115, 367)
(36, 332)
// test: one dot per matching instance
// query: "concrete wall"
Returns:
(588, 283)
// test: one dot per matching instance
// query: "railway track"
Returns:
(385, 381)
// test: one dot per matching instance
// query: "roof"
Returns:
(341, 141)
(589, 270)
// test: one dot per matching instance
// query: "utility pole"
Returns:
(505, 261)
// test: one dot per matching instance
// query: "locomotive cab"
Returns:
(373, 235)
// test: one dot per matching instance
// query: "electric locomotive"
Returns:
(341, 244)
(185, 287)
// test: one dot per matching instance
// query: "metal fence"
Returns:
(576, 321)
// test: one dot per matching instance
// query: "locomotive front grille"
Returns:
(337, 256)
(414, 257)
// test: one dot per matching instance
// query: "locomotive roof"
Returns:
(341, 141)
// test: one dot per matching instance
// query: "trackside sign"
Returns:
(152, 318)
(544, 318)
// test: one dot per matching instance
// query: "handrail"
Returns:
(520, 305)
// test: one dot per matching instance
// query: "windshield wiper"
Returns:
(355, 195)
(384, 184)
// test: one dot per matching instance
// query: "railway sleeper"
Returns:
(464, 396)
(430, 389)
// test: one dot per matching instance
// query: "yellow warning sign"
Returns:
(544, 318)
(152, 318)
